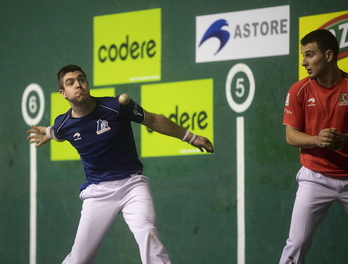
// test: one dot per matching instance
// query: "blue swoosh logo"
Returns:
(215, 31)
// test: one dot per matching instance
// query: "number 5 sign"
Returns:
(239, 87)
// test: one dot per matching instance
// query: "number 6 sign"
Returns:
(33, 105)
(31, 94)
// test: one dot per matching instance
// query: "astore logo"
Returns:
(252, 33)
(215, 31)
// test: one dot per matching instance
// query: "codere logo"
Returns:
(127, 47)
(337, 23)
(179, 102)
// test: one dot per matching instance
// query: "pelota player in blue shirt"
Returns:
(100, 130)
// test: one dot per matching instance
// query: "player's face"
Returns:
(314, 60)
(75, 87)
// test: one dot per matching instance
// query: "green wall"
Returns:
(195, 196)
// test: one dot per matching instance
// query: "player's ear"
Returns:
(329, 55)
(62, 93)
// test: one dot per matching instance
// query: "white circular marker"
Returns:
(239, 89)
(29, 102)
(33, 106)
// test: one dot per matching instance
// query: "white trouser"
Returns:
(101, 204)
(315, 194)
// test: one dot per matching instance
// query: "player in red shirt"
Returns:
(315, 116)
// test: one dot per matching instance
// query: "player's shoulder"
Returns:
(345, 75)
(60, 118)
(108, 102)
(301, 84)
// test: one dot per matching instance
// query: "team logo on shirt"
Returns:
(77, 136)
(287, 100)
(102, 126)
(343, 99)
(311, 102)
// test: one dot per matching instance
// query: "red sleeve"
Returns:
(294, 115)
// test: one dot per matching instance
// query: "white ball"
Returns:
(124, 99)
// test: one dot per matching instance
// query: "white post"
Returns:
(33, 204)
(33, 105)
(240, 192)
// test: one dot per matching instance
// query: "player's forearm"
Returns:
(299, 139)
(164, 125)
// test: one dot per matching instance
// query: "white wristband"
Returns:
(48, 132)
(186, 135)
(193, 138)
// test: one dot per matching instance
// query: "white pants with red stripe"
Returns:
(315, 194)
(101, 204)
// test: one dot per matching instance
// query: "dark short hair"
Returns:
(65, 70)
(324, 39)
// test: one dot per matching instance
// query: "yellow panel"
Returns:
(127, 47)
(187, 103)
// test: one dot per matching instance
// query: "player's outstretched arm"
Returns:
(164, 125)
(299, 139)
(38, 135)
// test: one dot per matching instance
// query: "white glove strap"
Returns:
(48, 132)
(186, 135)
(193, 138)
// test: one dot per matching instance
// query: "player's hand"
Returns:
(203, 144)
(38, 135)
(326, 137)
(330, 138)
(339, 142)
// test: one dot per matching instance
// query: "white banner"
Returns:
(244, 34)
